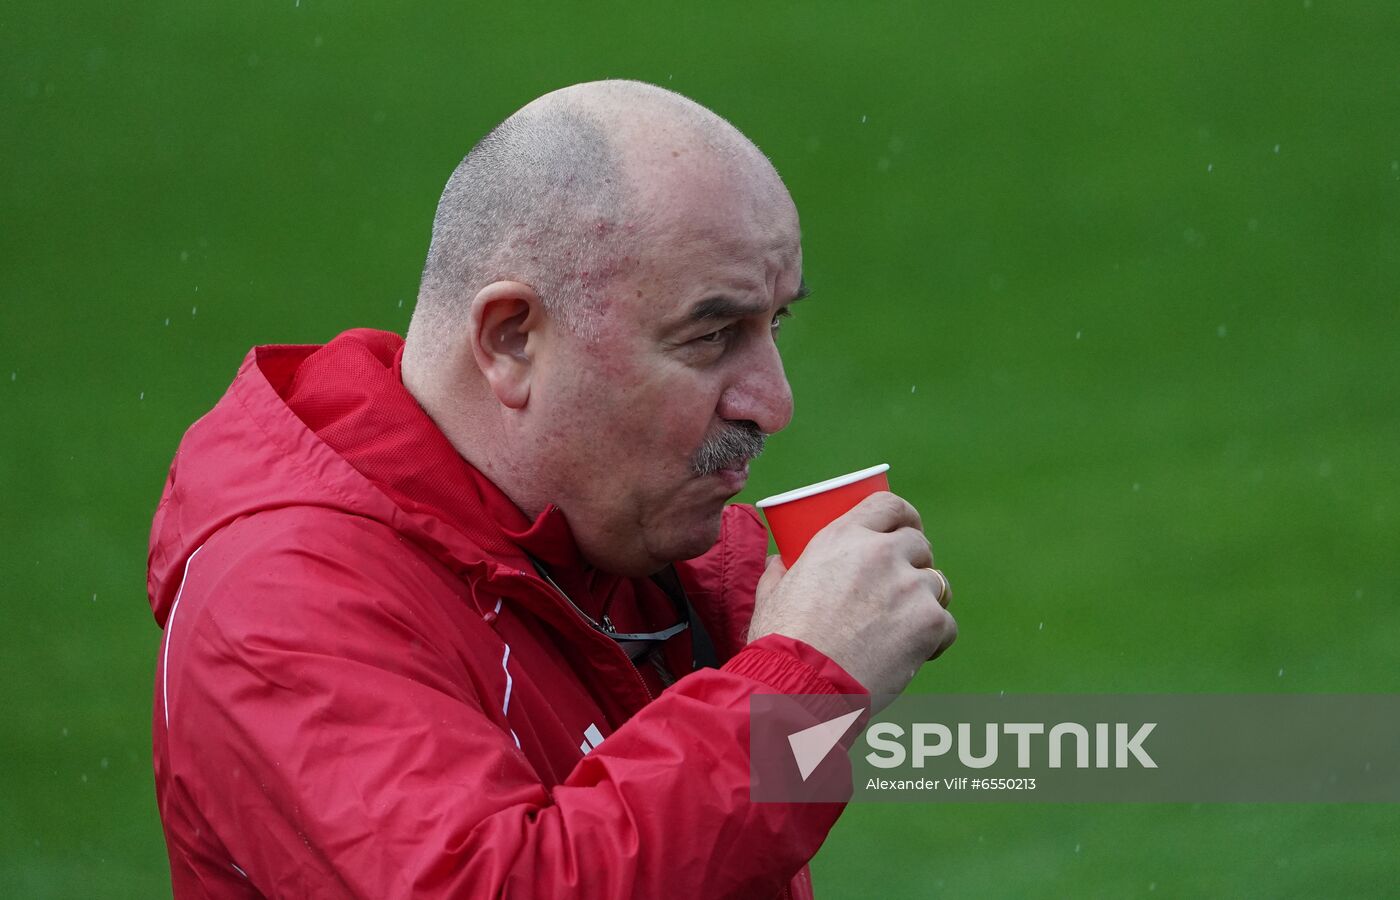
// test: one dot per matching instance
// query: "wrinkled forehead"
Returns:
(710, 228)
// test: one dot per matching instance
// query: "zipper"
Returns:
(607, 624)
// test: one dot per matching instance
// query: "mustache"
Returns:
(729, 449)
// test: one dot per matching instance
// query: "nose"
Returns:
(760, 392)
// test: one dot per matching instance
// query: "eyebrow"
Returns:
(729, 308)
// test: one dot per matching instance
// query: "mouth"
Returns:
(726, 454)
(733, 476)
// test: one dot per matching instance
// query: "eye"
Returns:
(716, 337)
(777, 324)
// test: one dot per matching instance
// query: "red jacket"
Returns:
(365, 690)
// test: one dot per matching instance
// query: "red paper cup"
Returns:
(796, 516)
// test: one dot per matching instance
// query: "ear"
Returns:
(504, 330)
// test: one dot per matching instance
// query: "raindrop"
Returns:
(1220, 331)
(1137, 486)
(94, 598)
(142, 397)
(84, 778)
(184, 256)
(104, 762)
(1276, 148)
(14, 375)
(1210, 167)
(1152, 886)
(913, 388)
(1042, 627)
(194, 310)
(1076, 848)
(400, 303)
(1324, 468)
(1078, 335)
(862, 120)
(1252, 224)
(1280, 673)
(65, 732)
(167, 321)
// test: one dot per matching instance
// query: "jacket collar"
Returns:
(350, 392)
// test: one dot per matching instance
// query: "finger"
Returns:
(950, 635)
(884, 512)
(914, 547)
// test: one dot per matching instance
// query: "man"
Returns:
(431, 608)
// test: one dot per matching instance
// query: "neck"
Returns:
(475, 429)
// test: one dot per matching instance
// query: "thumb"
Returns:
(763, 611)
(773, 572)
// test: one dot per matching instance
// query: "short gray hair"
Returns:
(537, 200)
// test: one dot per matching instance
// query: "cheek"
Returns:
(635, 412)
(682, 414)
(601, 415)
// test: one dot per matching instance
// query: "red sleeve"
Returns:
(334, 743)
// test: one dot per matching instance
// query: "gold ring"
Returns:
(943, 589)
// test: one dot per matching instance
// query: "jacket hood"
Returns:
(288, 432)
(333, 426)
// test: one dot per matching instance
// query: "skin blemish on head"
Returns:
(606, 270)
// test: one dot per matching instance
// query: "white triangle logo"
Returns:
(811, 745)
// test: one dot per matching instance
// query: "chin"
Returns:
(693, 542)
(659, 547)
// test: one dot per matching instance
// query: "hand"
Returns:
(865, 593)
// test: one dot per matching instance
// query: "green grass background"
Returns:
(1113, 287)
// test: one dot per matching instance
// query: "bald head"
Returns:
(599, 315)
(558, 196)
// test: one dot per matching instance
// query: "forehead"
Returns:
(707, 239)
